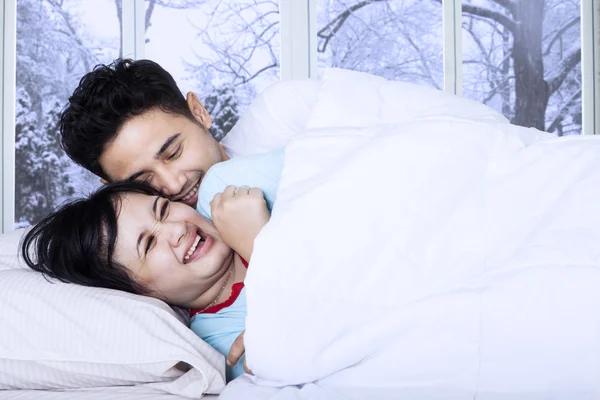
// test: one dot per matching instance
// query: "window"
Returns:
(536, 61)
(523, 58)
(57, 42)
(224, 51)
(396, 39)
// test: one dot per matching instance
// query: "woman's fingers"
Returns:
(237, 350)
(229, 191)
(248, 371)
(256, 192)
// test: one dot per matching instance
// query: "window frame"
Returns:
(298, 57)
(8, 61)
(133, 27)
(590, 66)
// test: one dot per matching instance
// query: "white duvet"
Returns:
(434, 255)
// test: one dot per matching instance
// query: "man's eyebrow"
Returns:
(166, 145)
(158, 154)
(136, 175)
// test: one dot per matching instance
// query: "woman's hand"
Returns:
(239, 214)
(236, 352)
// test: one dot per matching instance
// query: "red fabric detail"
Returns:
(236, 288)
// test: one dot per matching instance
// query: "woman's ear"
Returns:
(198, 110)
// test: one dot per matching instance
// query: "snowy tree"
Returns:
(528, 52)
(42, 79)
(521, 56)
(40, 161)
(222, 105)
(54, 50)
(398, 40)
(240, 54)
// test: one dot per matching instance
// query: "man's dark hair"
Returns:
(76, 243)
(107, 98)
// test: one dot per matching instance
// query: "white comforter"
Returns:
(438, 255)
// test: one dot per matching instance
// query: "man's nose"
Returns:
(170, 183)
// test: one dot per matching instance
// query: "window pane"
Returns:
(396, 39)
(224, 51)
(523, 58)
(57, 42)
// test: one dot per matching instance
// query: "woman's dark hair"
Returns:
(109, 96)
(76, 243)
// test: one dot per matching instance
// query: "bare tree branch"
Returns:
(119, 7)
(498, 89)
(564, 110)
(563, 69)
(329, 30)
(487, 13)
(179, 4)
(66, 17)
(148, 16)
(257, 73)
(254, 29)
(508, 4)
(423, 59)
(558, 34)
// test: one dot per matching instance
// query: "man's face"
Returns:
(170, 152)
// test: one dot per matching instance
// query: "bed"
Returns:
(107, 393)
(475, 318)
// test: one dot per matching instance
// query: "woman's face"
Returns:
(169, 248)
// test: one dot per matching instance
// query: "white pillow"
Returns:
(276, 116)
(357, 100)
(9, 249)
(62, 336)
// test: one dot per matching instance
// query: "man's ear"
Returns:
(103, 181)
(198, 110)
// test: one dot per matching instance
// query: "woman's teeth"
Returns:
(192, 249)
(191, 192)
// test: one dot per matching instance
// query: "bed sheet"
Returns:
(245, 388)
(108, 393)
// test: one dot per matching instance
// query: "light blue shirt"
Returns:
(258, 170)
(263, 171)
(222, 328)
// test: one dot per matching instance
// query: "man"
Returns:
(128, 120)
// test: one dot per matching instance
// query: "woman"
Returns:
(126, 237)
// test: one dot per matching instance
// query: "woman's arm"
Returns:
(239, 214)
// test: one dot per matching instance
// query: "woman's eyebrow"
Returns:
(155, 205)
(141, 237)
(139, 241)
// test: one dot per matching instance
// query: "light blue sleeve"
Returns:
(258, 170)
(221, 329)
